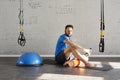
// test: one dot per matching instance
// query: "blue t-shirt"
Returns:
(60, 46)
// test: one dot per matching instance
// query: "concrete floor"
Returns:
(51, 71)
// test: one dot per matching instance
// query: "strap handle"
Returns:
(21, 38)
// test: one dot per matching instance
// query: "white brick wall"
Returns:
(45, 21)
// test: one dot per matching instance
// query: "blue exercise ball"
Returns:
(29, 59)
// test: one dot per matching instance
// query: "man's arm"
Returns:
(76, 46)
(73, 44)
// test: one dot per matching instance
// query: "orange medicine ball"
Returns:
(76, 63)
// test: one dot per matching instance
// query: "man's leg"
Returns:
(76, 46)
(67, 52)
(80, 57)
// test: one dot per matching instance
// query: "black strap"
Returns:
(102, 28)
(21, 38)
(101, 45)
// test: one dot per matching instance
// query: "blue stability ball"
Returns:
(29, 59)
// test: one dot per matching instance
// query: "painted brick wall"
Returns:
(45, 21)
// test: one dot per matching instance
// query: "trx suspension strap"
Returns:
(21, 38)
(102, 28)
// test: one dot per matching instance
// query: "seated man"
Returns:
(66, 47)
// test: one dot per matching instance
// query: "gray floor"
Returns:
(51, 71)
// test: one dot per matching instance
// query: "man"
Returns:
(66, 47)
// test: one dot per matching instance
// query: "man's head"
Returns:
(68, 30)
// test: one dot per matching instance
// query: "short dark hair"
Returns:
(69, 25)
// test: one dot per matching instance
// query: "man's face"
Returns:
(69, 31)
